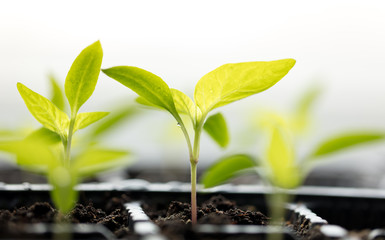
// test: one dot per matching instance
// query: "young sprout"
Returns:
(48, 150)
(224, 85)
(280, 166)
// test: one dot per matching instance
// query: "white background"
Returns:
(337, 44)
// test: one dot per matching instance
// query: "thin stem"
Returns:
(194, 163)
(194, 155)
(193, 193)
(197, 138)
(69, 140)
(276, 203)
(186, 136)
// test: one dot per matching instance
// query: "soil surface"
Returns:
(175, 222)
(113, 216)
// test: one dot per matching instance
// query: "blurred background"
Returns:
(338, 45)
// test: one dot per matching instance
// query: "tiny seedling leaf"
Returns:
(83, 75)
(85, 119)
(112, 121)
(284, 171)
(44, 110)
(302, 111)
(146, 84)
(184, 105)
(344, 141)
(232, 82)
(96, 160)
(57, 95)
(226, 168)
(216, 127)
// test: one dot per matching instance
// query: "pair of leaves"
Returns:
(79, 86)
(50, 116)
(226, 84)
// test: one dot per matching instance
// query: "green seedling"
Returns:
(280, 166)
(48, 150)
(224, 85)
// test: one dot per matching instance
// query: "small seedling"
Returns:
(280, 167)
(224, 85)
(48, 150)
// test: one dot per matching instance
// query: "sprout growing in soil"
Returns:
(279, 166)
(48, 150)
(224, 85)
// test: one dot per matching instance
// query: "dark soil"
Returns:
(175, 222)
(114, 216)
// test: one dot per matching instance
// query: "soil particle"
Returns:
(114, 217)
(217, 210)
(175, 222)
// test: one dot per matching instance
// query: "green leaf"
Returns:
(144, 102)
(184, 105)
(284, 170)
(85, 119)
(57, 95)
(226, 168)
(301, 118)
(10, 146)
(232, 82)
(82, 77)
(63, 193)
(344, 141)
(35, 155)
(45, 135)
(147, 85)
(216, 127)
(44, 111)
(112, 121)
(94, 161)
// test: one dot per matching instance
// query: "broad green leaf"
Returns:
(284, 171)
(216, 127)
(45, 135)
(226, 168)
(184, 105)
(6, 133)
(144, 102)
(10, 146)
(232, 82)
(94, 161)
(85, 119)
(36, 155)
(57, 95)
(63, 193)
(82, 77)
(145, 84)
(44, 111)
(112, 121)
(344, 141)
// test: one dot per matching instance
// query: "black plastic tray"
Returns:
(343, 208)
